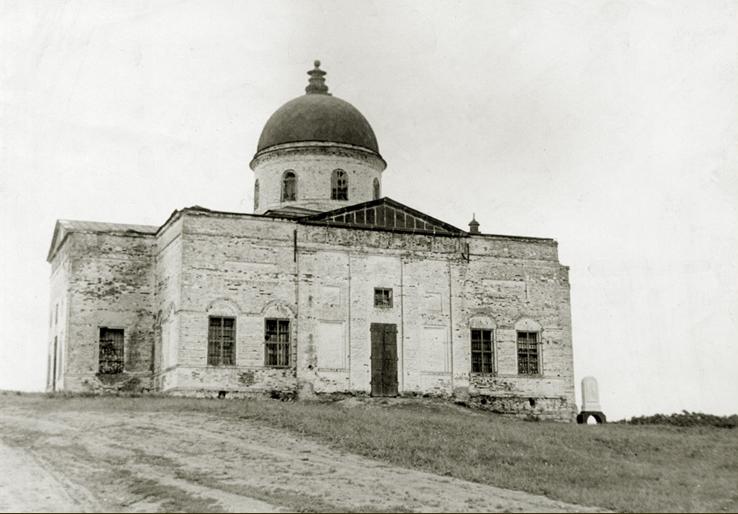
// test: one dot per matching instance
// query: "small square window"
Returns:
(383, 297)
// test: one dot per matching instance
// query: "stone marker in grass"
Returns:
(590, 402)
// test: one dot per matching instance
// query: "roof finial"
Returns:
(474, 225)
(316, 82)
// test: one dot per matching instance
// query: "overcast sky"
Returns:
(608, 125)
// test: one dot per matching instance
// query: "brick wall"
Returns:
(58, 321)
(110, 284)
(241, 268)
(168, 288)
(162, 291)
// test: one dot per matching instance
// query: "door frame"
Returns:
(384, 336)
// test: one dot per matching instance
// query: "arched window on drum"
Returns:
(339, 185)
(289, 186)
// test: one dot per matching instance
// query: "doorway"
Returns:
(384, 359)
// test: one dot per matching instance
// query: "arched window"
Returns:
(376, 189)
(256, 194)
(529, 347)
(339, 185)
(289, 186)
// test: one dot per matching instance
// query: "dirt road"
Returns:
(157, 461)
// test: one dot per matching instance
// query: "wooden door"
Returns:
(384, 359)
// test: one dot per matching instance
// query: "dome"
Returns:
(318, 116)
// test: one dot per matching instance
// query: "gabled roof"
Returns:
(64, 227)
(383, 214)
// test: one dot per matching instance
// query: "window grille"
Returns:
(289, 186)
(339, 185)
(481, 351)
(528, 353)
(221, 341)
(256, 194)
(382, 297)
(277, 343)
(111, 350)
(377, 192)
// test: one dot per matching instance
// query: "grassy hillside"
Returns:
(616, 466)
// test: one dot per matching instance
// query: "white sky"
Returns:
(608, 125)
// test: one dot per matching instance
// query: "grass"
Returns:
(616, 466)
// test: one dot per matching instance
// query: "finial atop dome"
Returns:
(474, 225)
(316, 82)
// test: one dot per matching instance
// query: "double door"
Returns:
(384, 359)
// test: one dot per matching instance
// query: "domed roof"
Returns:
(318, 116)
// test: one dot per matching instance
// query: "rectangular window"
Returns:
(481, 351)
(528, 358)
(221, 341)
(277, 343)
(382, 297)
(111, 350)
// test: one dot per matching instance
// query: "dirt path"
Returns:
(86, 461)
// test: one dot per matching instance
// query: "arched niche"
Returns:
(223, 307)
(277, 309)
(482, 321)
(526, 324)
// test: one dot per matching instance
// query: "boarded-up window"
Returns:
(528, 353)
(330, 296)
(481, 350)
(339, 185)
(433, 302)
(221, 341)
(382, 297)
(435, 352)
(277, 343)
(111, 350)
(331, 347)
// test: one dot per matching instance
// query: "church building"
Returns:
(328, 287)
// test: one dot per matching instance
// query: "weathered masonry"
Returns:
(328, 287)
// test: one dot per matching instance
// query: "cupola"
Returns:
(316, 152)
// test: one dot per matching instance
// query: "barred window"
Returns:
(382, 297)
(277, 343)
(528, 358)
(221, 341)
(110, 360)
(481, 351)
(289, 186)
(339, 185)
